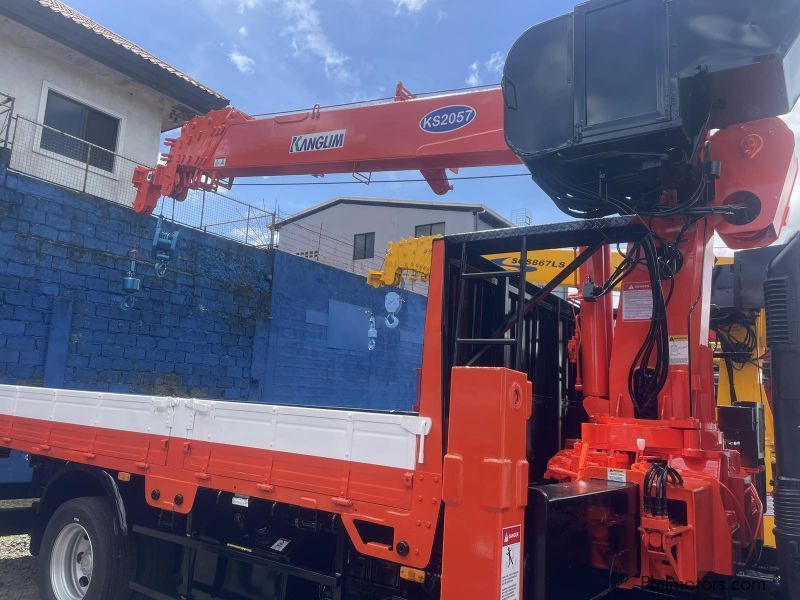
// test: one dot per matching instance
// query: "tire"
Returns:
(83, 555)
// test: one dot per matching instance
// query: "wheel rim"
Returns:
(71, 563)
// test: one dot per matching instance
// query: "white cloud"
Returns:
(720, 248)
(495, 63)
(308, 37)
(244, 63)
(441, 15)
(491, 67)
(245, 5)
(411, 6)
(793, 221)
(793, 120)
(243, 31)
(473, 78)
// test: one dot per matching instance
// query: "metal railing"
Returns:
(6, 114)
(49, 154)
(222, 215)
(46, 153)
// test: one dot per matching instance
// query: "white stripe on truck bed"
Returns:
(377, 438)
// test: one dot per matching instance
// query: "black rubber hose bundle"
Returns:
(659, 475)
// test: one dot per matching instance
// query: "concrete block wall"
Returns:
(301, 366)
(62, 259)
(227, 321)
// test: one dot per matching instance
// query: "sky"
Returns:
(276, 55)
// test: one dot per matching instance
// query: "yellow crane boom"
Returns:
(410, 259)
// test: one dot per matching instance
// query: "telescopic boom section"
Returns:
(430, 134)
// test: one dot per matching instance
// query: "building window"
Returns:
(363, 246)
(77, 120)
(429, 229)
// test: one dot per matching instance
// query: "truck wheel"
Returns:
(83, 556)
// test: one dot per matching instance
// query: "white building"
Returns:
(89, 104)
(352, 233)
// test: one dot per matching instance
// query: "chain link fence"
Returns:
(222, 215)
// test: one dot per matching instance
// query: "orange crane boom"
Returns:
(431, 134)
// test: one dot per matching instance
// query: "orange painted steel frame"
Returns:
(215, 148)
(720, 523)
(485, 478)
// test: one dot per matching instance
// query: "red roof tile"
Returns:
(81, 19)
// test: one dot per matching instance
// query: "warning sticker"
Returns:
(238, 500)
(280, 545)
(637, 301)
(679, 350)
(769, 510)
(510, 561)
(618, 475)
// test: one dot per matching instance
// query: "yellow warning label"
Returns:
(544, 265)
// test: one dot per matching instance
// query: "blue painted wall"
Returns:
(227, 321)
(62, 258)
(306, 366)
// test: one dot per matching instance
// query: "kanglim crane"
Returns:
(663, 113)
